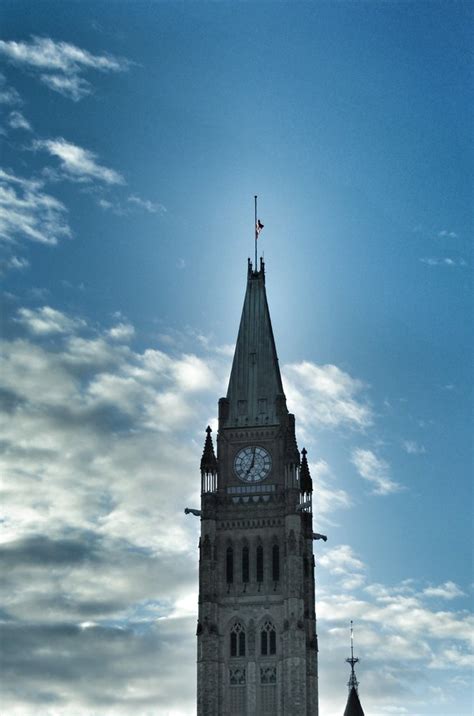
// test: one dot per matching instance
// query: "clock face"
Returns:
(252, 464)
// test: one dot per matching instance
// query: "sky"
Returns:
(134, 137)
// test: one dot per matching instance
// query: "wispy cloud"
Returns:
(375, 470)
(17, 120)
(8, 95)
(15, 263)
(60, 64)
(448, 590)
(394, 625)
(146, 204)
(413, 448)
(446, 261)
(446, 234)
(26, 211)
(47, 320)
(345, 565)
(133, 202)
(78, 163)
(328, 498)
(122, 332)
(71, 86)
(326, 395)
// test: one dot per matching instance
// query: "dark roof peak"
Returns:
(255, 394)
(208, 460)
(306, 483)
(353, 706)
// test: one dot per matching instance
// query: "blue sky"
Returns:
(134, 136)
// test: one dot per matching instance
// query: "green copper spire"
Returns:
(255, 394)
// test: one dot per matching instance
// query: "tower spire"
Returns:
(255, 394)
(256, 231)
(353, 706)
(352, 683)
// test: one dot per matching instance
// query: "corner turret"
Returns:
(208, 465)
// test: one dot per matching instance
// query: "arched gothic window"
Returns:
(268, 639)
(237, 640)
(276, 563)
(259, 563)
(245, 564)
(229, 565)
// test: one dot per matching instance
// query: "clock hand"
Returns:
(252, 463)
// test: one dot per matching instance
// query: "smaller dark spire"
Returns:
(353, 706)
(208, 460)
(306, 483)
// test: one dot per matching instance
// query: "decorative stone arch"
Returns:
(267, 631)
(237, 636)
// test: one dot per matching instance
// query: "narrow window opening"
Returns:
(237, 640)
(273, 642)
(230, 565)
(268, 639)
(276, 563)
(245, 565)
(260, 563)
(233, 644)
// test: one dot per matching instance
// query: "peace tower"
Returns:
(257, 645)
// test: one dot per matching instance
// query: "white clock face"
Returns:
(252, 464)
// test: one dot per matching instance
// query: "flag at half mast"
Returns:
(258, 228)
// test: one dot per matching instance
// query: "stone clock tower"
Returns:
(257, 644)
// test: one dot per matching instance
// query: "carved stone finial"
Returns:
(306, 483)
(208, 460)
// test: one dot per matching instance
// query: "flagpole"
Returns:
(255, 225)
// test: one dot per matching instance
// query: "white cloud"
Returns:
(151, 207)
(446, 261)
(375, 470)
(446, 234)
(47, 320)
(395, 630)
(325, 395)
(17, 263)
(327, 498)
(71, 86)
(122, 332)
(133, 203)
(100, 563)
(16, 120)
(8, 95)
(341, 562)
(77, 162)
(413, 448)
(60, 64)
(27, 212)
(448, 590)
